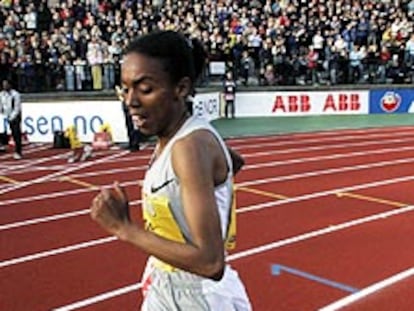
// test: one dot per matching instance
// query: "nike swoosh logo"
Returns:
(164, 184)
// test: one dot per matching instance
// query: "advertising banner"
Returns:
(42, 119)
(391, 101)
(303, 103)
(207, 105)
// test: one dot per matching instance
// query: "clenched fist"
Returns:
(110, 209)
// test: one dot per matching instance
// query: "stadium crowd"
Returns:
(77, 44)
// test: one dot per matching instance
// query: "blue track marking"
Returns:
(277, 270)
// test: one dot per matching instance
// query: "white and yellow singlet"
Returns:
(164, 215)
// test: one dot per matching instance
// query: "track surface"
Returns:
(324, 222)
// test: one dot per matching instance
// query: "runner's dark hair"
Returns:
(180, 56)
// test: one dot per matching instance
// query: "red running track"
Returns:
(322, 217)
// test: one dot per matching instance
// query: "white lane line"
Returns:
(342, 139)
(327, 171)
(39, 220)
(62, 193)
(334, 156)
(55, 251)
(61, 167)
(101, 297)
(328, 133)
(29, 167)
(256, 250)
(133, 157)
(27, 150)
(368, 290)
(315, 195)
(35, 221)
(326, 147)
(319, 232)
(111, 171)
(31, 164)
(60, 173)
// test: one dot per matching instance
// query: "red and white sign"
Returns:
(301, 103)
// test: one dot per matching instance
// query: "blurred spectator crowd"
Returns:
(74, 45)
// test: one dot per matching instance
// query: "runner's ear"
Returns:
(183, 88)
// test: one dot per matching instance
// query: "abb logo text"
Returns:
(317, 102)
(292, 103)
(342, 102)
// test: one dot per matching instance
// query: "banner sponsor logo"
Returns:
(292, 103)
(40, 120)
(342, 102)
(49, 124)
(207, 106)
(301, 103)
(391, 101)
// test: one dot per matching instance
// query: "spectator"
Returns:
(247, 66)
(330, 62)
(229, 93)
(355, 64)
(10, 105)
(395, 70)
(372, 62)
(410, 9)
(80, 74)
(300, 66)
(108, 70)
(409, 58)
(95, 60)
(44, 17)
(69, 69)
(4, 66)
(318, 43)
(385, 56)
(269, 75)
(409, 51)
(362, 28)
(312, 62)
(30, 18)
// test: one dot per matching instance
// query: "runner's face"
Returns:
(149, 94)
